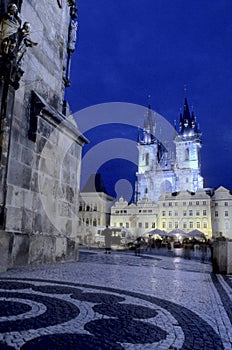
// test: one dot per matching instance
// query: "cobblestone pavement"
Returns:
(116, 301)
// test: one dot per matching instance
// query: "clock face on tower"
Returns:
(59, 3)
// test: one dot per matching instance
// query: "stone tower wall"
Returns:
(43, 149)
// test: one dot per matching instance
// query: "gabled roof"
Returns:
(95, 184)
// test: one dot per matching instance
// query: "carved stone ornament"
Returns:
(14, 41)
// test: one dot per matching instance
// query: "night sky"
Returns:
(127, 50)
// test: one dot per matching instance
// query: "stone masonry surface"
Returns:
(116, 301)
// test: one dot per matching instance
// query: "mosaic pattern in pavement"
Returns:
(43, 314)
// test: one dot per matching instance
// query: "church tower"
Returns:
(169, 170)
(188, 145)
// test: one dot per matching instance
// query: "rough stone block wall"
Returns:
(42, 188)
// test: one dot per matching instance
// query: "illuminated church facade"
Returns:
(170, 193)
(175, 169)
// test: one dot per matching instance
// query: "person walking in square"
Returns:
(108, 239)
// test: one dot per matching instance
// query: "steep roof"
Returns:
(95, 183)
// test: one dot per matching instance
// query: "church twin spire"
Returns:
(187, 124)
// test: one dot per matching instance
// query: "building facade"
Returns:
(94, 207)
(163, 168)
(40, 153)
(170, 193)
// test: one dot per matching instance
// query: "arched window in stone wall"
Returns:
(187, 154)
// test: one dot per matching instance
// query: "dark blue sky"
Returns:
(129, 49)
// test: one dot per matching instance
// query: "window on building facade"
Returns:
(170, 224)
(184, 204)
(198, 224)
(80, 207)
(187, 180)
(146, 225)
(163, 204)
(204, 202)
(205, 225)
(226, 204)
(164, 224)
(197, 202)
(87, 208)
(170, 204)
(94, 222)
(95, 207)
(204, 212)
(124, 211)
(226, 213)
(216, 204)
(190, 213)
(216, 213)
(127, 225)
(197, 212)
(144, 211)
(116, 211)
(184, 224)
(153, 225)
(87, 222)
(184, 213)
(149, 211)
(176, 213)
(169, 213)
(163, 213)
(190, 224)
(227, 225)
(147, 158)
(176, 224)
(176, 204)
(190, 203)
(140, 225)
